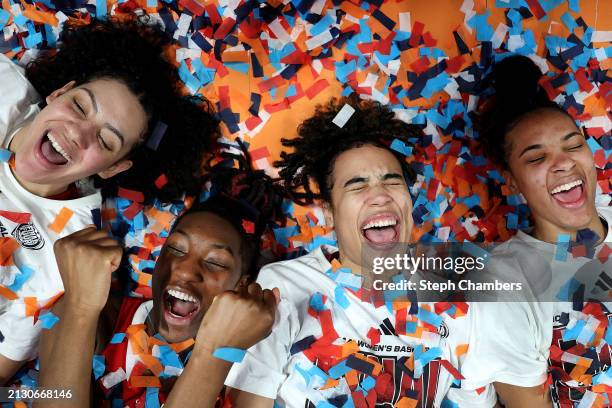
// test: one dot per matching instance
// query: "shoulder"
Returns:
(299, 278)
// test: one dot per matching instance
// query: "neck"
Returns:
(550, 234)
(41, 190)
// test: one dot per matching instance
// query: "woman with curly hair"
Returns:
(327, 317)
(105, 109)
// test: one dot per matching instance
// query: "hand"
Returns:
(86, 260)
(238, 319)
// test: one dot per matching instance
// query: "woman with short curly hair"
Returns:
(106, 106)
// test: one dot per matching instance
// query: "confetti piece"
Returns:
(5, 155)
(233, 355)
(343, 115)
(61, 220)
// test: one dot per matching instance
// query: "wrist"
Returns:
(74, 308)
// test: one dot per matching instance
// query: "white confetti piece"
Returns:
(344, 115)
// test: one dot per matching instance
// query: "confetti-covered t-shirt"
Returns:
(29, 226)
(329, 346)
(564, 337)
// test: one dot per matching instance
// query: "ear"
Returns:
(511, 182)
(115, 169)
(58, 92)
(329, 215)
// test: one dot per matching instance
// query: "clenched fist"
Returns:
(239, 318)
(86, 260)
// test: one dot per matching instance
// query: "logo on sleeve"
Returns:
(28, 236)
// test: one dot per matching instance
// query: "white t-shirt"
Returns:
(270, 368)
(515, 337)
(34, 272)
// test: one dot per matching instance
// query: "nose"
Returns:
(378, 196)
(563, 162)
(81, 133)
(186, 269)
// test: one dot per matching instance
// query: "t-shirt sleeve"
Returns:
(21, 336)
(17, 97)
(509, 343)
(263, 369)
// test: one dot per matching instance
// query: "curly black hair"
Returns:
(517, 95)
(320, 142)
(132, 51)
(248, 199)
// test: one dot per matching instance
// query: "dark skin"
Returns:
(201, 259)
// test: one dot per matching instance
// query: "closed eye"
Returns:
(577, 147)
(103, 143)
(216, 264)
(175, 251)
(79, 108)
(536, 160)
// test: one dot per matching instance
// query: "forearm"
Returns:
(513, 396)
(200, 383)
(66, 356)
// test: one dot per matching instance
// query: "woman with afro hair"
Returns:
(105, 110)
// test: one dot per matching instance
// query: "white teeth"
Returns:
(182, 296)
(380, 223)
(567, 186)
(58, 148)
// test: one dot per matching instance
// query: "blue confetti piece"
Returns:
(569, 21)
(231, 354)
(339, 370)
(572, 333)
(484, 31)
(567, 290)
(323, 25)
(429, 317)
(430, 355)
(117, 338)
(562, 247)
(316, 302)
(48, 320)
(446, 403)
(512, 221)
(25, 273)
(101, 8)
(340, 297)
(401, 147)
(99, 366)
(368, 383)
(4, 17)
(152, 398)
(20, 20)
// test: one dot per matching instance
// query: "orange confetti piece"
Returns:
(144, 381)
(8, 245)
(61, 220)
(7, 293)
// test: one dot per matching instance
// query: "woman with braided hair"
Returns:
(202, 290)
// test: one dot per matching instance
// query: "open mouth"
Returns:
(569, 195)
(381, 230)
(180, 306)
(52, 151)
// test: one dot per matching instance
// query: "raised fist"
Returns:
(86, 260)
(238, 318)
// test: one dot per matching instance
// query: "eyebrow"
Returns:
(358, 179)
(539, 146)
(107, 125)
(214, 245)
